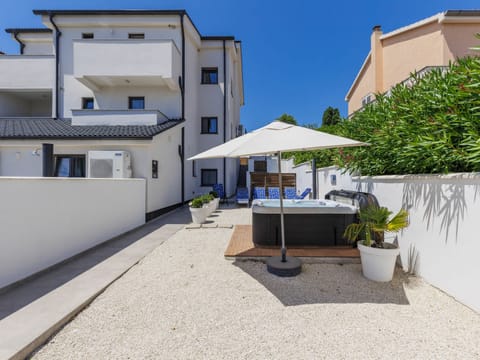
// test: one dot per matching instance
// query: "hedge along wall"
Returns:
(431, 124)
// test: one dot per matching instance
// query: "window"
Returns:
(194, 169)
(209, 125)
(136, 36)
(87, 36)
(136, 102)
(209, 75)
(209, 177)
(260, 165)
(70, 165)
(87, 103)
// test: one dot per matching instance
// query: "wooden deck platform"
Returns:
(241, 245)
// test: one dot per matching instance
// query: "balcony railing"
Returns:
(27, 72)
(117, 117)
(113, 62)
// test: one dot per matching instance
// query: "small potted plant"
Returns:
(198, 212)
(207, 203)
(378, 257)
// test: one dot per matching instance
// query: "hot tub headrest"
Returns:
(359, 199)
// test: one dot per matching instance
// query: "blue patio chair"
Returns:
(303, 194)
(242, 196)
(259, 193)
(273, 192)
(290, 192)
(218, 188)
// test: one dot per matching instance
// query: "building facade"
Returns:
(432, 42)
(146, 82)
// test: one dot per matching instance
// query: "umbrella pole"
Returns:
(282, 226)
(283, 265)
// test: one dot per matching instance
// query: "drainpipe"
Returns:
(225, 114)
(47, 160)
(182, 93)
(182, 80)
(181, 153)
(22, 45)
(57, 65)
(314, 178)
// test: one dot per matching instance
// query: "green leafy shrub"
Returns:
(206, 198)
(196, 203)
(214, 193)
(432, 126)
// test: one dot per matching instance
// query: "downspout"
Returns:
(181, 153)
(22, 45)
(57, 65)
(224, 115)
(182, 92)
(182, 80)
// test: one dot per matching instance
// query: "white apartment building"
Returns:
(142, 81)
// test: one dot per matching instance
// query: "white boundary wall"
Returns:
(44, 221)
(443, 232)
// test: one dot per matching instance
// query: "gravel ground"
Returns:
(185, 301)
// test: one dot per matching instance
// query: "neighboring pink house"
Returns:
(434, 41)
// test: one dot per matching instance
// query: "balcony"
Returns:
(117, 117)
(107, 63)
(25, 72)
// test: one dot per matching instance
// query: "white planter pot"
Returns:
(216, 201)
(378, 264)
(210, 207)
(199, 215)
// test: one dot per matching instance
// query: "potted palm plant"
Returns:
(378, 257)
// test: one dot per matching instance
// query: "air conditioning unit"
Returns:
(109, 164)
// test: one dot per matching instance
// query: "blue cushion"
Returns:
(304, 194)
(218, 188)
(259, 193)
(273, 193)
(290, 192)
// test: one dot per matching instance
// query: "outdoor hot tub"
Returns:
(307, 222)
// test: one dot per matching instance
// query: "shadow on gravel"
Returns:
(15, 297)
(328, 283)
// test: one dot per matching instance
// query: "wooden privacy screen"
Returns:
(265, 180)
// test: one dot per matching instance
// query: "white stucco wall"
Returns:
(13, 104)
(17, 158)
(26, 72)
(165, 190)
(444, 210)
(47, 220)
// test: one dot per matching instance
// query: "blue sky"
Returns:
(299, 56)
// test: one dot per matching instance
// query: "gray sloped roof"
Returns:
(47, 128)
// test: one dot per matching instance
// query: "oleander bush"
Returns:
(432, 126)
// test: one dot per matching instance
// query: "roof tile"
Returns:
(47, 128)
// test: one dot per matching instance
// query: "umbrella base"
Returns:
(291, 267)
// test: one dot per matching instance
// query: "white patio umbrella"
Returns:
(275, 138)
